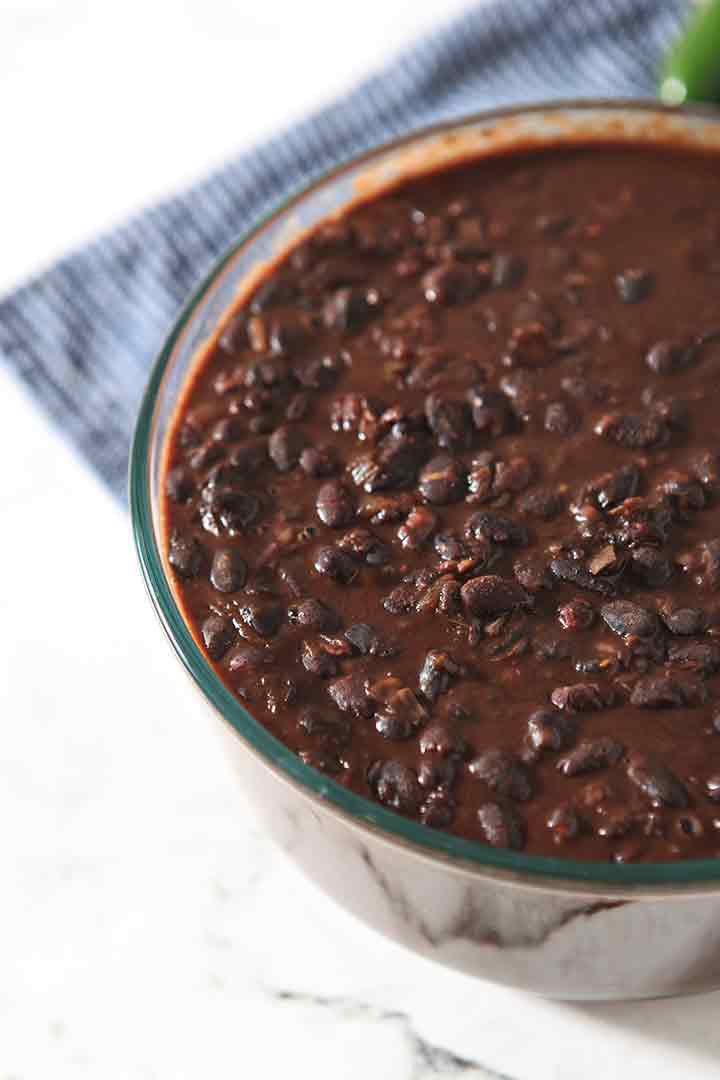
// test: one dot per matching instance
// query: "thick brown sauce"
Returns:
(500, 275)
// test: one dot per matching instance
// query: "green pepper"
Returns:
(692, 69)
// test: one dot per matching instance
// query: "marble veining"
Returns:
(426, 1058)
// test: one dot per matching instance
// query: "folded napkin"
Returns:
(83, 335)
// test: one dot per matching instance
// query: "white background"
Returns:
(147, 930)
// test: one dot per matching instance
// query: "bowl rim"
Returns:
(662, 878)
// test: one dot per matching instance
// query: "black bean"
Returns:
(614, 824)
(712, 787)
(329, 729)
(417, 528)
(442, 597)
(634, 432)
(249, 658)
(512, 476)
(502, 826)
(258, 400)
(349, 412)
(317, 661)
(288, 331)
(528, 347)
(672, 412)
(550, 729)
(668, 357)
(223, 477)
(710, 561)
(395, 462)
(553, 223)
(365, 546)
(706, 469)
(634, 285)
(491, 412)
(438, 810)
(657, 781)
(507, 270)
(612, 488)
(228, 571)
(366, 639)
(297, 407)
(386, 509)
(683, 495)
(487, 525)
(335, 505)
(470, 239)
(684, 621)
(404, 596)
(226, 510)
(336, 564)
(541, 502)
(480, 479)
(397, 786)
(349, 310)
(450, 547)
(218, 634)
(532, 574)
(394, 726)
(274, 290)
(664, 692)
(185, 554)
(504, 773)
(630, 620)
(641, 524)
(188, 436)
(285, 446)
(582, 697)
(318, 461)
(521, 386)
(560, 419)
(280, 691)
(264, 616)
(205, 455)
(590, 755)
(450, 283)
(435, 771)
(234, 337)
(313, 615)
(576, 574)
(178, 484)
(227, 429)
(442, 480)
(449, 422)
(436, 673)
(490, 594)
(700, 656)
(326, 761)
(584, 389)
(319, 373)
(564, 823)
(439, 738)
(689, 825)
(576, 615)
(651, 567)
(350, 694)
(250, 456)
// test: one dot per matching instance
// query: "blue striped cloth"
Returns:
(83, 335)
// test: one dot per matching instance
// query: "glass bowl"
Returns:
(583, 931)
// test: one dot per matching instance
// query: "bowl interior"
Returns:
(199, 324)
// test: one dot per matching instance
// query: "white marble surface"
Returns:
(147, 929)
